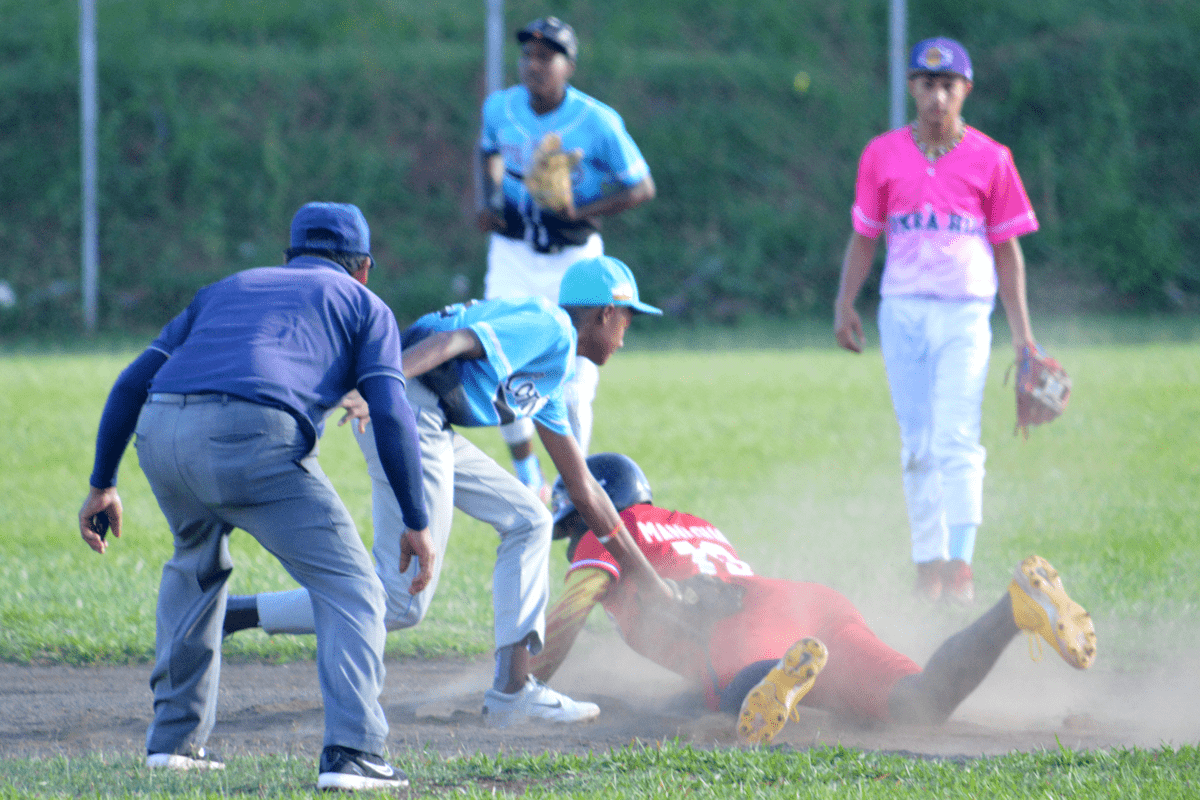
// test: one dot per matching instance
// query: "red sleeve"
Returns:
(590, 553)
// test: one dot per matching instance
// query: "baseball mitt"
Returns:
(700, 601)
(548, 178)
(710, 597)
(1043, 388)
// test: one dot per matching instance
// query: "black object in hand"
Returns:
(99, 523)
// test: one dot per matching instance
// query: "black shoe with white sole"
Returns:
(353, 770)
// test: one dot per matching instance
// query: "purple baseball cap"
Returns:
(940, 55)
(339, 227)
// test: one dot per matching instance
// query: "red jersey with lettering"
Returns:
(860, 672)
(678, 546)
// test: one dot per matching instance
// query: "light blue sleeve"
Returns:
(617, 150)
(512, 341)
(531, 346)
(554, 415)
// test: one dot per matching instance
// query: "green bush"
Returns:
(217, 119)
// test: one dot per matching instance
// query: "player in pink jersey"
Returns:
(759, 646)
(951, 205)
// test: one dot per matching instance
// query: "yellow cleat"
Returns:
(773, 701)
(1041, 605)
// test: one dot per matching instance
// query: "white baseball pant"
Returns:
(936, 356)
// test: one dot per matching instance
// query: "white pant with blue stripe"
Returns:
(936, 355)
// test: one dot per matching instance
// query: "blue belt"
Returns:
(189, 399)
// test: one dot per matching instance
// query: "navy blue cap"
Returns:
(339, 227)
(601, 281)
(940, 55)
(554, 32)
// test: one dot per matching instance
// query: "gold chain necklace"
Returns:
(934, 152)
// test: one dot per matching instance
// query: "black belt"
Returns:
(189, 399)
(551, 249)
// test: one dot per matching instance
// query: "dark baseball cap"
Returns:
(940, 55)
(339, 227)
(554, 32)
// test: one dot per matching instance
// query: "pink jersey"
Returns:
(941, 218)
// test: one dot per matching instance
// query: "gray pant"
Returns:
(456, 474)
(217, 463)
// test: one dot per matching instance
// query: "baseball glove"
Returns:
(548, 178)
(1043, 388)
(711, 597)
(700, 601)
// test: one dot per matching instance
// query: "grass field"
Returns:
(668, 771)
(786, 443)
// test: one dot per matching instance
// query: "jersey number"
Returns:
(706, 556)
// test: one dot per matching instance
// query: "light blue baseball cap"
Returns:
(601, 281)
(339, 227)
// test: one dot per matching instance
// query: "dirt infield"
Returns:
(434, 705)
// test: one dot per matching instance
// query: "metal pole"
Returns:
(493, 72)
(494, 51)
(898, 34)
(87, 122)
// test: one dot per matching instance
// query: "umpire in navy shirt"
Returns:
(228, 404)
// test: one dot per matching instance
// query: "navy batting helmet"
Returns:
(620, 476)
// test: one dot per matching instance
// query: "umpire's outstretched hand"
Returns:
(418, 544)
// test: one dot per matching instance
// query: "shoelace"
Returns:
(1035, 639)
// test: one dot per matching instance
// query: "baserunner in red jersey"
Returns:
(759, 646)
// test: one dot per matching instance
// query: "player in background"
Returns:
(531, 247)
(476, 365)
(951, 205)
(758, 646)
(228, 404)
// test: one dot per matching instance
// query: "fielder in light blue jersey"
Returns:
(528, 354)
(480, 364)
(611, 162)
(531, 246)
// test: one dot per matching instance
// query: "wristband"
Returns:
(607, 539)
